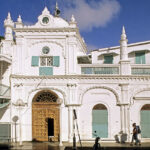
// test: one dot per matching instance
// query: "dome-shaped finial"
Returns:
(19, 19)
(73, 18)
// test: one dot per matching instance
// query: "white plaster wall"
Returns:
(90, 99)
(65, 123)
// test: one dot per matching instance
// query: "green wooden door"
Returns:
(145, 123)
(100, 123)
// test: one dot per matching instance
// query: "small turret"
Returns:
(8, 24)
(73, 22)
(19, 23)
(123, 45)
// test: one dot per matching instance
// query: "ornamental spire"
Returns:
(57, 11)
(123, 45)
(123, 35)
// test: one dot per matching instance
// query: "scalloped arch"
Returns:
(99, 87)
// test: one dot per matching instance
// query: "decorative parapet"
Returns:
(140, 69)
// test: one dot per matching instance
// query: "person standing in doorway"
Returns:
(135, 135)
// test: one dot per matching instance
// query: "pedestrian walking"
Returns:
(136, 131)
(97, 145)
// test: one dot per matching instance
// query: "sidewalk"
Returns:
(55, 146)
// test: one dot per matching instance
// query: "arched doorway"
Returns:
(45, 116)
(100, 121)
(145, 121)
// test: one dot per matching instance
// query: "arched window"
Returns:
(100, 121)
(45, 96)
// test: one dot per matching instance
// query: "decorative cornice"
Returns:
(31, 29)
(89, 77)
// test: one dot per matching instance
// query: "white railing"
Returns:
(140, 69)
(100, 69)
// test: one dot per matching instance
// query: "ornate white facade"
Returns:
(51, 56)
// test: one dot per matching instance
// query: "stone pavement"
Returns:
(68, 146)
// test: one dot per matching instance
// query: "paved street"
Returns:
(68, 146)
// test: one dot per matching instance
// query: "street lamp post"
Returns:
(20, 104)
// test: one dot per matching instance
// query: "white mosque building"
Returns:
(46, 73)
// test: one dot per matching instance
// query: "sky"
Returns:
(100, 21)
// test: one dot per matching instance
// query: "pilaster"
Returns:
(124, 110)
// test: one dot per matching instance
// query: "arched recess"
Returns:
(145, 121)
(45, 116)
(99, 87)
(100, 121)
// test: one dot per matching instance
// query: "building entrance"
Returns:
(50, 127)
(45, 117)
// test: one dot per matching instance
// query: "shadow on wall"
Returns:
(2, 111)
(4, 67)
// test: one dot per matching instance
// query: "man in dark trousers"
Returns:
(97, 146)
(135, 135)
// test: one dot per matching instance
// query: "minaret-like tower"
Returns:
(8, 24)
(125, 67)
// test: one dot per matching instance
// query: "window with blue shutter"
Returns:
(35, 61)
(45, 71)
(56, 61)
(140, 57)
(108, 59)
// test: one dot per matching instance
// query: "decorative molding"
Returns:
(122, 78)
(71, 85)
(141, 98)
(102, 93)
(18, 85)
(48, 41)
(26, 29)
